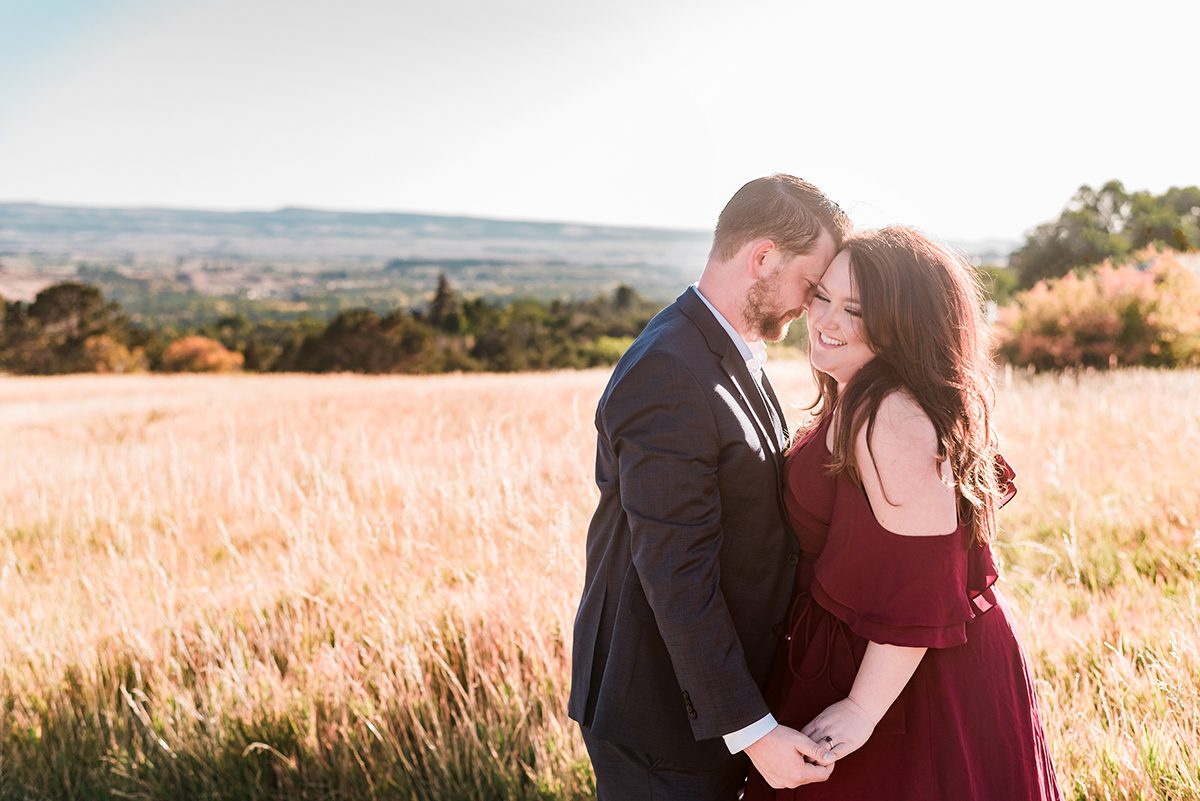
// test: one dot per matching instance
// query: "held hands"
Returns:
(843, 726)
(787, 758)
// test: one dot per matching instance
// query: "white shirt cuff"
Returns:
(742, 739)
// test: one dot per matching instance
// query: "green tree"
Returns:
(1172, 219)
(359, 340)
(523, 339)
(69, 328)
(1087, 232)
(445, 310)
(626, 298)
(1000, 283)
(1108, 223)
(67, 310)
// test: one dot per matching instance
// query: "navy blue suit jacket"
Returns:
(690, 561)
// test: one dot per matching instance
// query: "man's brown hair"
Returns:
(783, 208)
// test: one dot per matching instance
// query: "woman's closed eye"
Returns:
(821, 296)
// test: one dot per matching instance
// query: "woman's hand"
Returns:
(843, 727)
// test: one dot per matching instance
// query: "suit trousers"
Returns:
(625, 774)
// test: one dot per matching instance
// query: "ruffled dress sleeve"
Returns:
(900, 590)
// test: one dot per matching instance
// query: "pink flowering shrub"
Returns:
(1143, 312)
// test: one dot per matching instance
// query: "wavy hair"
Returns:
(922, 316)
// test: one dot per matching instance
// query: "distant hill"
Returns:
(306, 234)
(306, 255)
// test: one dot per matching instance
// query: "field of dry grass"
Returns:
(353, 587)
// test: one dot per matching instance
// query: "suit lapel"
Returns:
(770, 390)
(735, 367)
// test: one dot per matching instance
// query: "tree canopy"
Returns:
(1108, 223)
(69, 327)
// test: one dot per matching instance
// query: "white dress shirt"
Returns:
(755, 353)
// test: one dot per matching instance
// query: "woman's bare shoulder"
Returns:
(905, 484)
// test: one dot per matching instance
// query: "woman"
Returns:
(899, 655)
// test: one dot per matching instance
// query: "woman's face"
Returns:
(837, 343)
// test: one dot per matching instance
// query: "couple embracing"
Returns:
(810, 617)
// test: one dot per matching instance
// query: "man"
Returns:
(690, 562)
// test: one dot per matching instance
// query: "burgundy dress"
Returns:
(966, 726)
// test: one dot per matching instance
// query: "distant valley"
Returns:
(289, 262)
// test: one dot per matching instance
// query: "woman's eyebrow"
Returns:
(852, 299)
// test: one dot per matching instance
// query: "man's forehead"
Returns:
(827, 246)
(822, 255)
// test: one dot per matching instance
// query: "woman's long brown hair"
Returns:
(922, 315)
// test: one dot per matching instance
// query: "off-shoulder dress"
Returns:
(966, 725)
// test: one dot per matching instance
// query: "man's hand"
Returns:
(843, 726)
(780, 757)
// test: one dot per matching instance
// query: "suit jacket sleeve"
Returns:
(661, 426)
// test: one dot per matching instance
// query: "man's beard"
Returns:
(761, 311)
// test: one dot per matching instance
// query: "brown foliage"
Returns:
(197, 354)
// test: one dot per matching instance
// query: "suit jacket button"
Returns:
(777, 629)
(793, 559)
(687, 700)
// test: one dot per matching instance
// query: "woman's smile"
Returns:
(829, 341)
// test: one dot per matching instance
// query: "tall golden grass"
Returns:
(353, 587)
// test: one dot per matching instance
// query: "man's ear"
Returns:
(759, 262)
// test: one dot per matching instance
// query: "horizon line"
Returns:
(437, 214)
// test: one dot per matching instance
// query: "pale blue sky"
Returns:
(967, 120)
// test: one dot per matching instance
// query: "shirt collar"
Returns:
(754, 353)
